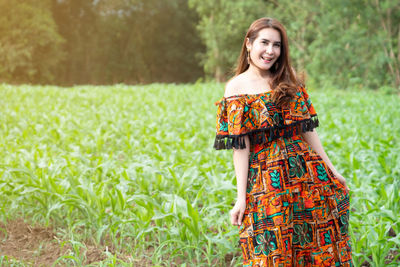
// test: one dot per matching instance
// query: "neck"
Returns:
(260, 74)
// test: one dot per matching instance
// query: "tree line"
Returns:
(98, 42)
(338, 42)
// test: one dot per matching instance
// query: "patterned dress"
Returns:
(297, 211)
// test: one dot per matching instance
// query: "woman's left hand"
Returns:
(342, 180)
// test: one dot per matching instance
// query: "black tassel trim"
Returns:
(264, 135)
(229, 142)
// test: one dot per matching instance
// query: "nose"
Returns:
(269, 49)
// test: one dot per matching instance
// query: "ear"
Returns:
(248, 44)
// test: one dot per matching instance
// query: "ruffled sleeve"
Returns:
(229, 126)
(307, 104)
(301, 112)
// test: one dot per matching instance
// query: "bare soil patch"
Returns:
(37, 245)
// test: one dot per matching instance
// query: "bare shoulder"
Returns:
(234, 85)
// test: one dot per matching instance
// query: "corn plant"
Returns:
(133, 168)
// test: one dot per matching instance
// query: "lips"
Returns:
(268, 59)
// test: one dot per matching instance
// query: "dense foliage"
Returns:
(345, 43)
(30, 45)
(98, 42)
(222, 28)
(133, 168)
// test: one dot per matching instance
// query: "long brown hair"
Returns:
(284, 82)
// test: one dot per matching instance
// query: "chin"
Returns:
(265, 68)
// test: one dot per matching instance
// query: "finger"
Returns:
(345, 185)
(343, 182)
(233, 219)
(347, 188)
(240, 217)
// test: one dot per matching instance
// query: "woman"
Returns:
(292, 205)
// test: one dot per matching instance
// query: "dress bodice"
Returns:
(257, 116)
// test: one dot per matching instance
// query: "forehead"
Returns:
(269, 34)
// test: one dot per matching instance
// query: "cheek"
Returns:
(254, 52)
(257, 48)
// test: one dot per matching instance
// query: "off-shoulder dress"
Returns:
(297, 211)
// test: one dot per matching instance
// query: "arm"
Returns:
(241, 163)
(313, 140)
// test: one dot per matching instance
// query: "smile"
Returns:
(268, 59)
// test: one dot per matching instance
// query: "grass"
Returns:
(133, 168)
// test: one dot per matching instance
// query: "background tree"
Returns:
(341, 43)
(347, 44)
(30, 45)
(78, 24)
(222, 27)
(388, 14)
(111, 41)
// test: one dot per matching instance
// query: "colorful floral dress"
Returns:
(297, 211)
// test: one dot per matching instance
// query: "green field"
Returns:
(132, 168)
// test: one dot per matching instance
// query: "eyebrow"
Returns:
(278, 42)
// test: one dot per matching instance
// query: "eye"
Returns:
(277, 45)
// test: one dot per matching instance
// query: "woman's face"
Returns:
(265, 49)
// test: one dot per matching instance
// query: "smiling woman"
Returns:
(292, 205)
